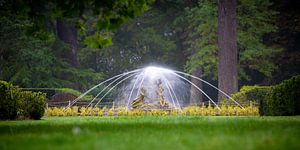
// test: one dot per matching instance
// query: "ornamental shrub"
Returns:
(8, 101)
(31, 105)
(15, 103)
(36, 105)
(248, 94)
(279, 100)
(285, 98)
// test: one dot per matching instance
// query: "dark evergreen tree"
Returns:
(227, 48)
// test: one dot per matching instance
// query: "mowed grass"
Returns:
(153, 133)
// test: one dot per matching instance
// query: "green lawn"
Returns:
(155, 133)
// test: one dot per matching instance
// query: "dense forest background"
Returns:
(44, 47)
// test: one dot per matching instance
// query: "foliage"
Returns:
(254, 19)
(20, 54)
(85, 77)
(249, 94)
(147, 39)
(109, 14)
(134, 46)
(202, 38)
(20, 104)
(25, 40)
(8, 100)
(74, 92)
(96, 41)
(277, 100)
(31, 104)
(287, 37)
(250, 110)
(284, 99)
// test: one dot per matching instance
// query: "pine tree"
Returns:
(254, 20)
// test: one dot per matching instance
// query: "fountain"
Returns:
(147, 89)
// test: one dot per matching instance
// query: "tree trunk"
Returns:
(195, 95)
(66, 31)
(227, 54)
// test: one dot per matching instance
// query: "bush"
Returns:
(15, 103)
(31, 105)
(285, 98)
(248, 94)
(187, 111)
(279, 100)
(36, 107)
(8, 100)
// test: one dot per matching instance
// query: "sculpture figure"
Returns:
(140, 100)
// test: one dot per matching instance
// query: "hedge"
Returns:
(31, 104)
(8, 100)
(278, 100)
(249, 94)
(285, 98)
(52, 91)
(17, 104)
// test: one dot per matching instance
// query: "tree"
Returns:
(287, 38)
(110, 14)
(201, 22)
(34, 61)
(67, 32)
(227, 48)
(136, 43)
(254, 19)
(195, 95)
(36, 23)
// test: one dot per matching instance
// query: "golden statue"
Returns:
(140, 100)
(160, 93)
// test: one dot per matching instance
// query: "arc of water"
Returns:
(171, 95)
(172, 90)
(106, 88)
(132, 90)
(114, 87)
(82, 95)
(198, 89)
(137, 93)
(211, 86)
(140, 86)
